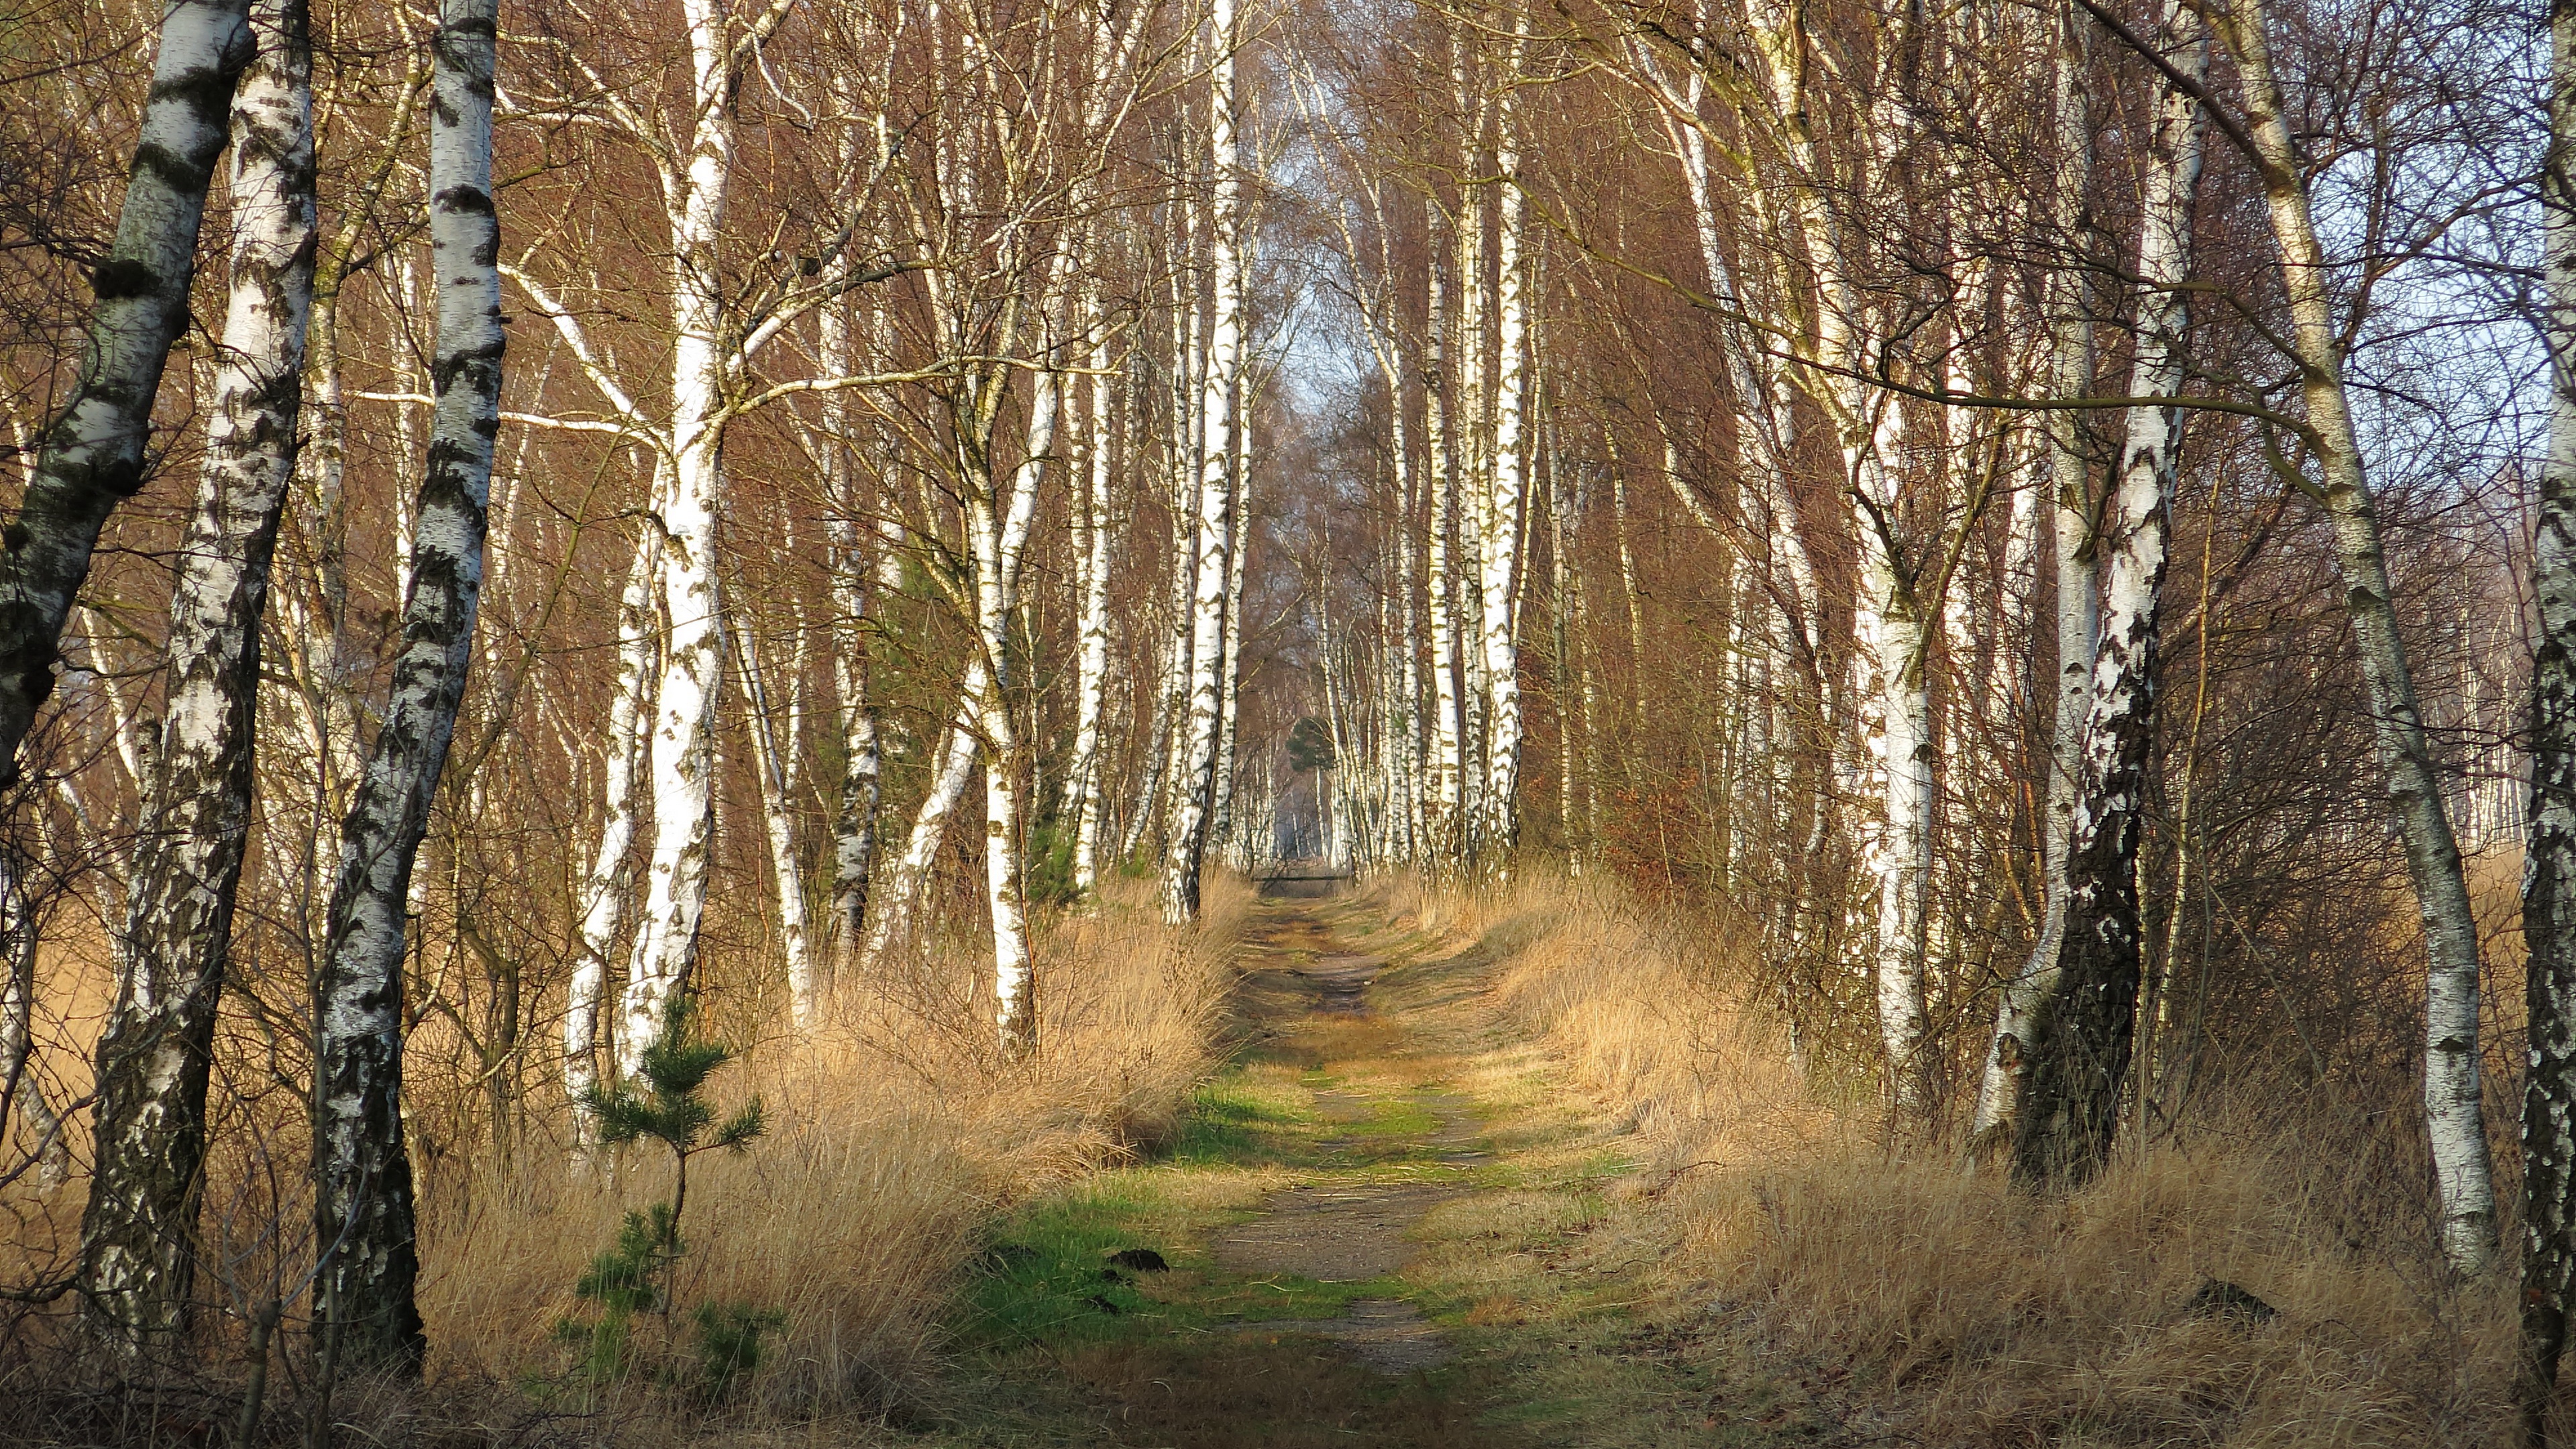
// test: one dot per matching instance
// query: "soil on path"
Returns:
(1388, 1222)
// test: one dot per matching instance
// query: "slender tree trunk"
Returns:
(2549, 852)
(93, 454)
(2069, 507)
(1448, 732)
(606, 892)
(21, 1093)
(1215, 541)
(136, 1239)
(688, 506)
(1001, 537)
(1501, 561)
(362, 1174)
(854, 833)
(1092, 537)
(891, 925)
(2463, 1176)
(774, 767)
(2064, 1132)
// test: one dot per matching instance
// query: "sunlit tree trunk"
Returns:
(854, 832)
(1215, 522)
(92, 456)
(363, 1224)
(2067, 508)
(773, 768)
(1093, 531)
(606, 891)
(2080, 1057)
(1000, 537)
(2462, 1174)
(149, 1126)
(1448, 732)
(687, 503)
(2549, 852)
(1503, 516)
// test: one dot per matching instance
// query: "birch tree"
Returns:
(92, 455)
(2068, 509)
(363, 1211)
(1215, 540)
(137, 1238)
(2548, 1266)
(2463, 1176)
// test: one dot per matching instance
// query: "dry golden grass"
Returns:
(897, 1132)
(1964, 1313)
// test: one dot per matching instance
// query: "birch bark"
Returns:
(92, 456)
(1499, 799)
(2069, 509)
(854, 834)
(2463, 1175)
(1215, 522)
(2065, 1130)
(362, 1173)
(2549, 853)
(606, 890)
(137, 1253)
(773, 768)
(1092, 539)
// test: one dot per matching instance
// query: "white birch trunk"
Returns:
(1215, 532)
(686, 698)
(1499, 800)
(137, 1238)
(2463, 1176)
(1092, 536)
(2548, 1279)
(93, 454)
(2068, 507)
(774, 769)
(1448, 734)
(606, 891)
(362, 1173)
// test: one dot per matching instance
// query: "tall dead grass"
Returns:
(897, 1131)
(1965, 1313)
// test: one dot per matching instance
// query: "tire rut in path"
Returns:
(1353, 1232)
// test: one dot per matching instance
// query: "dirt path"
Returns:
(1387, 1222)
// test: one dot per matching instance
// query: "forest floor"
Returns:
(1387, 1221)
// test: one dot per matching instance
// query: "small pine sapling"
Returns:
(635, 1276)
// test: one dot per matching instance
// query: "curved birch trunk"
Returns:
(137, 1248)
(1000, 543)
(92, 457)
(896, 904)
(362, 1174)
(2549, 855)
(1215, 523)
(2463, 1176)
(2080, 1060)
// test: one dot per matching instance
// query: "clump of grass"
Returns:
(896, 1133)
(1965, 1313)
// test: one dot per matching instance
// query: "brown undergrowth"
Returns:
(1958, 1312)
(897, 1132)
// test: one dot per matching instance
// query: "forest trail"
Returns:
(1387, 1221)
